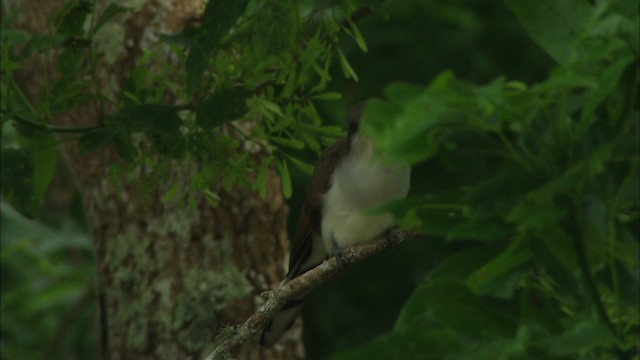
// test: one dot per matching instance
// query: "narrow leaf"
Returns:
(290, 143)
(108, 13)
(307, 169)
(347, 70)
(285, 178)
(16, 176)
(218, 18)
(44, 161)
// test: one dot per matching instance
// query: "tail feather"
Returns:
(282, 321)
(311, 257)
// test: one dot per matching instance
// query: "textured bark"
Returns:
(170, 276)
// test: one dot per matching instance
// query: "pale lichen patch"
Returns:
(109, 42)
(175, 223)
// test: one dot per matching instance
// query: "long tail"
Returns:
(282, 321)
(311, 256)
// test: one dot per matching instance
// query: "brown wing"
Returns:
(311, 214)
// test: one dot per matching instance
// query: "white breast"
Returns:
(362, 181)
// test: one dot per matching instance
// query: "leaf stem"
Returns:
(23, 97)
(571, 225)
(52, 128)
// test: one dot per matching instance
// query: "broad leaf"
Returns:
(17, 181)
(554, 25)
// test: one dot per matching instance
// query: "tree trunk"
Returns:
(170, 276)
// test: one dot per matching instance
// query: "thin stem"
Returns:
(247, 137)
(571, 225)
(23, 97)
(52, 128)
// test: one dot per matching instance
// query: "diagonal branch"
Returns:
(278, 297)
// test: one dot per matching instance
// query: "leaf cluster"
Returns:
(542, 179)
(250, 75)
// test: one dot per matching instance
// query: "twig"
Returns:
(47, 127)
(301, 284)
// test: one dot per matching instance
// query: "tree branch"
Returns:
(276, 298)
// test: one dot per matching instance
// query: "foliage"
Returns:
(527, 188)
(261, 62)
(47, 301)
(557, 189)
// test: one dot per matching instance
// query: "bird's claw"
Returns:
(389, 240)
(335, 250)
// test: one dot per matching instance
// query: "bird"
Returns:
(349, 178)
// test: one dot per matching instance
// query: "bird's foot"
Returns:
(335, 250)
(389, 240)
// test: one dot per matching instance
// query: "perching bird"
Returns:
(348, 179)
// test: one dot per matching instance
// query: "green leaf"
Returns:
(40, 42)
(462, 264)
(285, 178)
(609, 79)
(16, 174)
(452, 303)
(347, 70)
(13, 37)
(533, 213)
(554, 268)
(332, 131)
(307, 169)
(290, 85)
(109, 12)
(417, 342)
(498, 348)
(494, 276)
(69, 64)
(44, 161)
(261, 179)
(566, 79)
(217, 20)
(356, 35)
(583, 336)
(287, 142)
(275, 28)
(328, 96)
(311, 141)
(72, 22)
(269, 106)
(554, 25)
(8, 65)
(222, 106)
